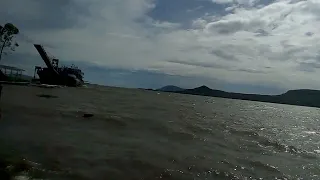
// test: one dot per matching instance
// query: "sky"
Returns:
(251, 46)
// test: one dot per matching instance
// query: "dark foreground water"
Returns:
(137, 134)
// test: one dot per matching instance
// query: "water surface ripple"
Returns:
(136, 134)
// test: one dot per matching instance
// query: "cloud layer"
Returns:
(248, 42)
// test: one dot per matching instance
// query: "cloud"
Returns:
(165, 25)
(250, 71)
(222, 1)
(233, 45)
(195, 9)
(199, 64)
(222, 54)
(239, 2)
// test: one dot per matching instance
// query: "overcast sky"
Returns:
(264, 46)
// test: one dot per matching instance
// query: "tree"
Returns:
(7, 34)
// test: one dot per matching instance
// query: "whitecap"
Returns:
(310, 132)
(317, 151)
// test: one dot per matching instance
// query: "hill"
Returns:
(302, 97)
(171, 89)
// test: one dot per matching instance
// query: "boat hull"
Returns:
(48, 77)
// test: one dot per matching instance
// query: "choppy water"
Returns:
(137, 134)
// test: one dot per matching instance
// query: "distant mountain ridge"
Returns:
(301, 97)
(171, 88)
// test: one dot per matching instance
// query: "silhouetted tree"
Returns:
(7, 34)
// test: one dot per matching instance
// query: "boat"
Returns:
(55, 75)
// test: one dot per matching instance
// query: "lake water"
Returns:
(136, 134)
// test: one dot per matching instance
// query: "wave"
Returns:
(265, 142)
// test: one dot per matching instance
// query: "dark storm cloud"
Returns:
(44, 14)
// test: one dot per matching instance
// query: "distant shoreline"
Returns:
(301, 97)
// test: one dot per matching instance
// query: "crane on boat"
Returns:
(55, 75)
